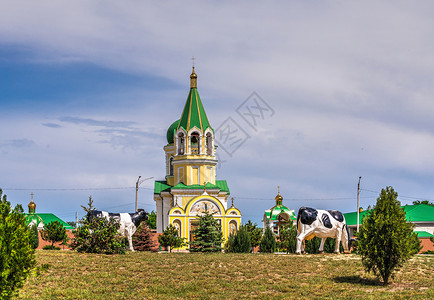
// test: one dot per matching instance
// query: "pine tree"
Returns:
(208, 236)
(239, 242)
(268, 241)
(54, 232)
(170, 238)
(386, 240)
(34, 240)
(142, 239)
(17, 257)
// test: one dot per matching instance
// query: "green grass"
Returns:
(71, 275)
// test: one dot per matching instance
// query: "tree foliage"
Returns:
(152, 220)
(288, 238)
(423, 202)
(142, 239)
(97, 236)
(254, 232)
(239, 242)
(208, 236)
(170, 238)
(34, 238)
(17, 257)
(54, 232)
(386, 240)
(268, 241)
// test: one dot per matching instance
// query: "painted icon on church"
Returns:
(203, 206)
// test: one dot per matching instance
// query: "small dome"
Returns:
(32, 205)
(279, 197)
(171, 132)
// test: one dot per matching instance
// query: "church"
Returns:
(190, 186)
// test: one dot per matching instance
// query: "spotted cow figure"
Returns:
(323, 224)
(128, 221)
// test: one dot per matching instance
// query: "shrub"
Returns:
(386, 240)
(50, 247)
(170, 238)
(268, 241)
(99, 236)
(142, 239)
(208, 236)
(239, 242)
(17, 257)
(54, 232)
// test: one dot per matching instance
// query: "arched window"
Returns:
(233, 227)
(181, 143)
(195, 143)
(209, 143)
(177, 224)
(171, 166)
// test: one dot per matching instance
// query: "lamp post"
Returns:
(139, 182)
(358, 203)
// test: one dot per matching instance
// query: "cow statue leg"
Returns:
(321, 247)
(338, 241)
(129, 233)
(345, 241)
(300, 241)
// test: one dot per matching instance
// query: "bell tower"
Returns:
(190, 152)
(190, 186)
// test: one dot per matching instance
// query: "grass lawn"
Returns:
(71, 275)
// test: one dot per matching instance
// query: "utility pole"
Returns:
(139, 182)
(358, 203)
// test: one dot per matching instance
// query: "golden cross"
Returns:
(278, 189)
(193, 60)
(232, 201)
(32, 195)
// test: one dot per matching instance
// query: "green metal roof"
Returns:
(162, 186)
(193, 113)
(171, 132)
(423, 234)
(413, 213)
(46, 218)
(274, 212)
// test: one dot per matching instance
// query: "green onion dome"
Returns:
(171, 132)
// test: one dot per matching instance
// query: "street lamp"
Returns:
(139, 182)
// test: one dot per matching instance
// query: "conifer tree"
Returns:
(17, 257)
(170, 238)
(239, 242)
(254, 232)
(54, 232)
(34, 240)
(208, 236)
(268, 241)
(386, 240)
(288, 238)
(142, 239)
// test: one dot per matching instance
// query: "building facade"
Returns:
(190, 186)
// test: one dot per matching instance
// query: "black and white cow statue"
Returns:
(323, 224)
(128, 222)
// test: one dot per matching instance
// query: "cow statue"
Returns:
(323, 224)
(128, 222)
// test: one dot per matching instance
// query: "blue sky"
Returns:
(89, 88)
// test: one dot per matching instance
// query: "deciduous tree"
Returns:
(254, 232)
(386, 240)
(239, 242)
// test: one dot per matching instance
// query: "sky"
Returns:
(344, 89)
